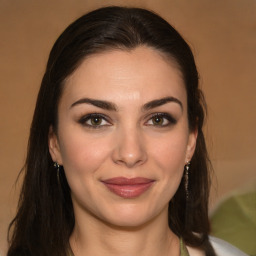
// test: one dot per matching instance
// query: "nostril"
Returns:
(130, 163)
(129, 155)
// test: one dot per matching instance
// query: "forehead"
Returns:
(142, 73)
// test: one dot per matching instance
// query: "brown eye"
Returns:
(158, 120)
(95, 120)
(161, 120)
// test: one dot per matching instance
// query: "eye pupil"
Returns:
(96, 120)
(157, 120)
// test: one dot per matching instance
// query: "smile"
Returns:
(128, 188)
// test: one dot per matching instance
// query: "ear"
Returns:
(53, 145)
(191, 144)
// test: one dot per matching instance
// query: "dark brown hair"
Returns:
(45, 218)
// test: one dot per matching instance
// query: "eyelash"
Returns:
(170, 119)
(88, 117)
(165, 116)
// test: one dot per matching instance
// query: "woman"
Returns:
(117, 163)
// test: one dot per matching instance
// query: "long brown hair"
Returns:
(45, 217)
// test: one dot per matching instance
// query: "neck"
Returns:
(91, 236)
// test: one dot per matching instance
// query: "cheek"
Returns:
(170, 153)
(82, 154)
(169, 157)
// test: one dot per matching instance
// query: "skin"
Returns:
(127, 142)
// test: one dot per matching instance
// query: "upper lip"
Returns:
(127, 181)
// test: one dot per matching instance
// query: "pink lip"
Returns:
(128, 188)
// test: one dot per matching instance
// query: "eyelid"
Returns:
(168, 117)
(171, 120)
(87, 117)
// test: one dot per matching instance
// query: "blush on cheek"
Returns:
(81, 156)
(171, 155)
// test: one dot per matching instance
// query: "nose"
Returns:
(130, 149)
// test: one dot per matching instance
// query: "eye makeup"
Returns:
(99, 120)
(161, 120)
(94, 120)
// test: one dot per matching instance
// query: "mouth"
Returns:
(128, 188)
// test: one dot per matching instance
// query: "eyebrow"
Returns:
(160, 102)
(111, 106)
(98, 103)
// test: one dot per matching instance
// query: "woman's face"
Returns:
(123, 135)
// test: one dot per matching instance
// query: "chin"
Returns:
(130, 217)
(128, 223)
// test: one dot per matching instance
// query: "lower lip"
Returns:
(129, 191)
